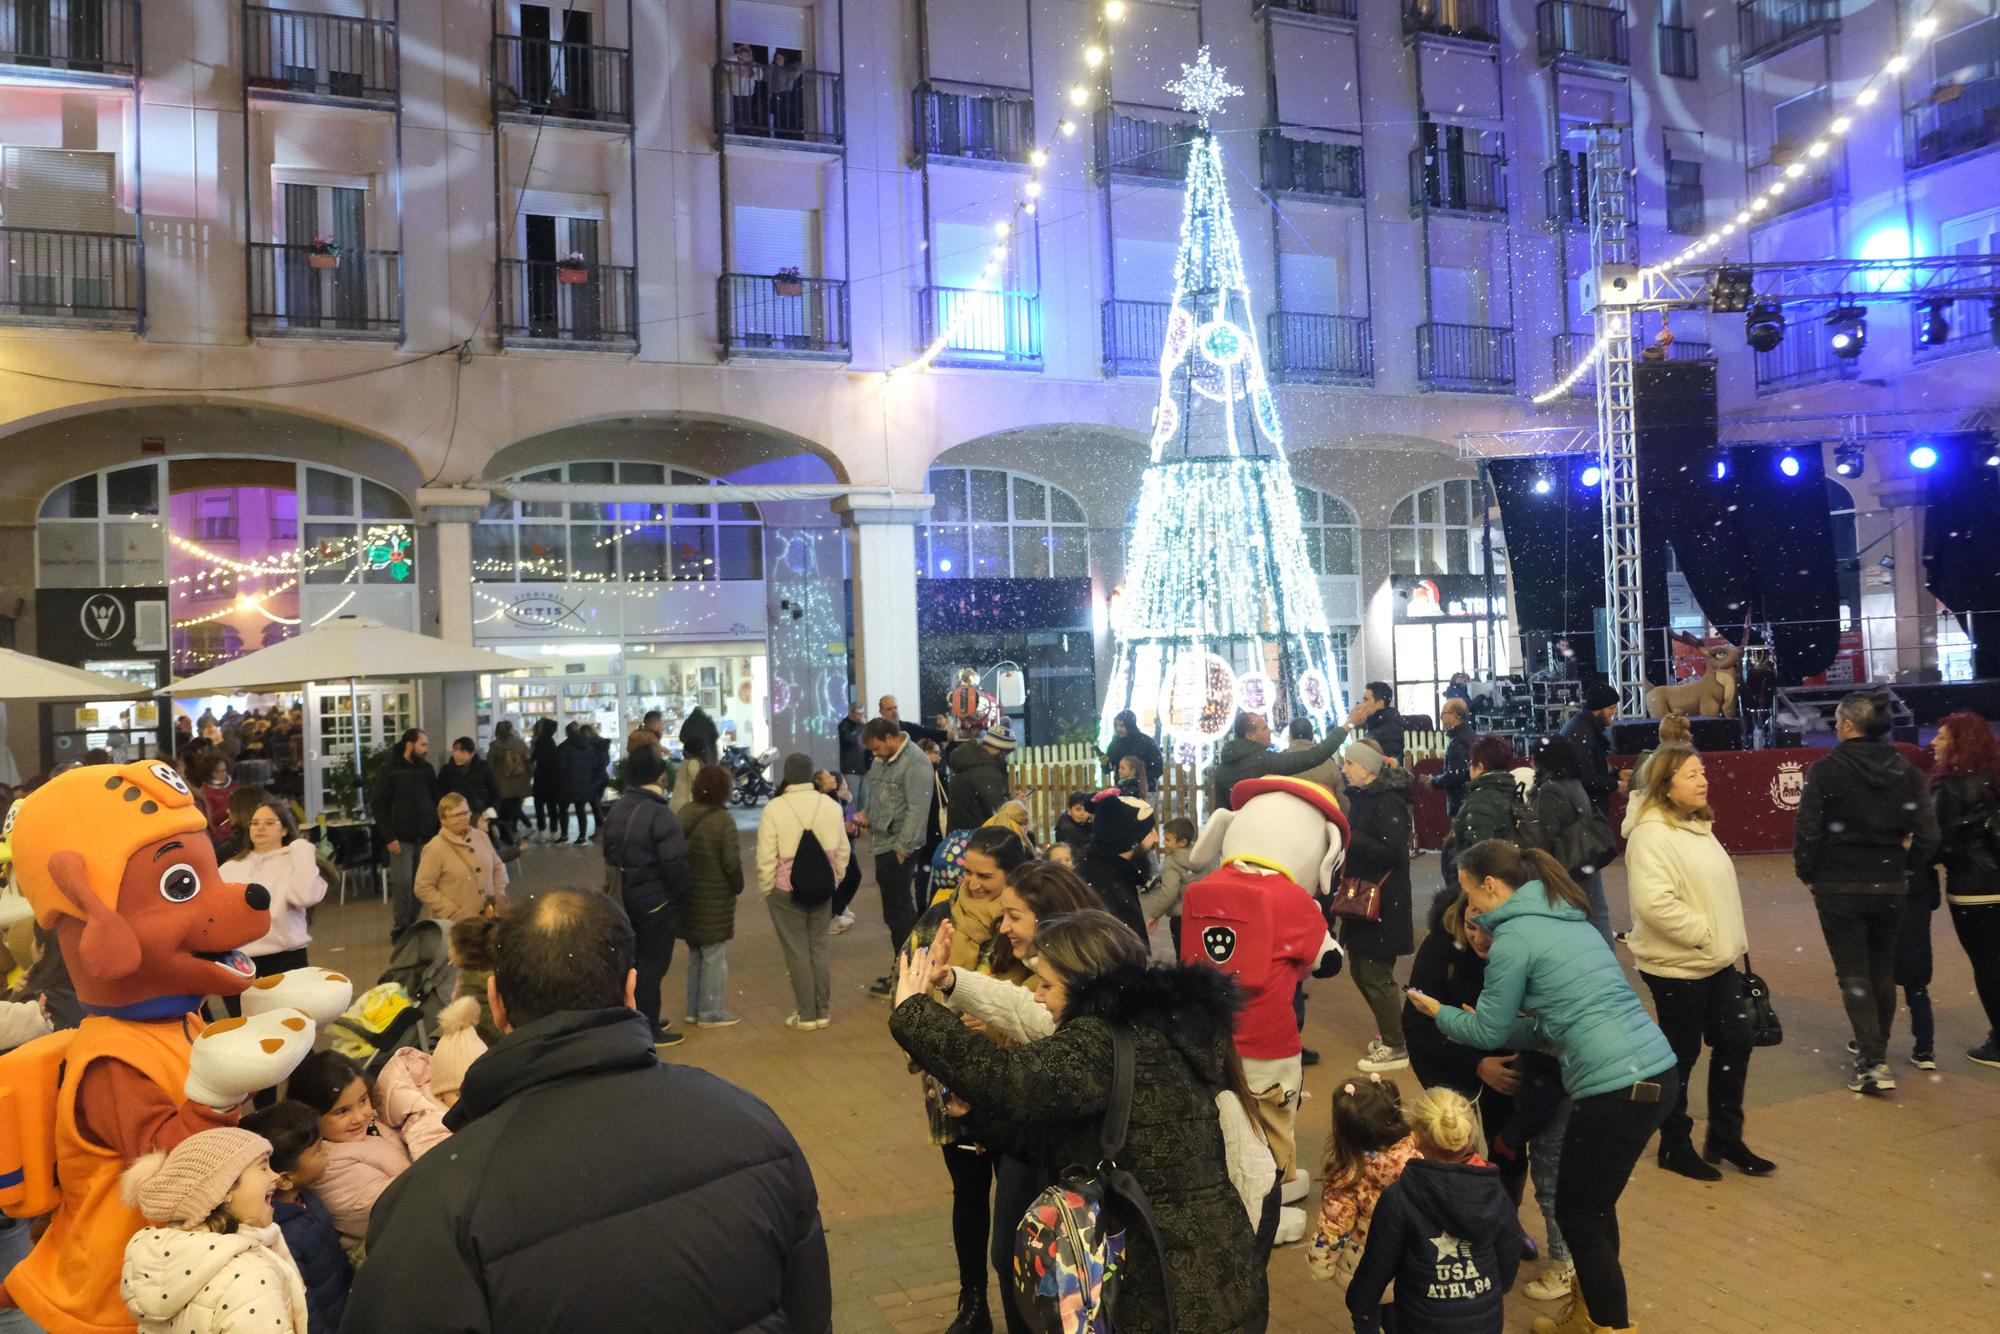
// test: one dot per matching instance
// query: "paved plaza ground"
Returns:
(1883, 1215)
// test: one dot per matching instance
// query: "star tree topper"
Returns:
(1201, 87)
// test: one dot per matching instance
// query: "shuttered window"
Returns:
(61, 188)
(768, 26)
(766, 240)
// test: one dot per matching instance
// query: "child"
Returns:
(416, 1088)
(216, 1261)
(1062, 854)
(1444, 1232)
(298, 1156)
(1366, 1153)
(471, 951)
(1131, 776)
(362, 1156)
(1177, 871)
(1073, 829)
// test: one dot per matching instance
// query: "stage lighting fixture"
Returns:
(1850, 460)
(1721, 469)
(1591, 476)
(1764, 326)
(1730, 293)
(1923, 458)
(1788, 464)
(1993, 460)
(1541, 486)
(1847, 331)
(1933, 321)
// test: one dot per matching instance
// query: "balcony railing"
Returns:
(987, 328)
(1316, 168)
(48, 275)
(1687, 206)
(1766, 27)
(539, 303)
(758, 100)
(1969, 323)
(1959, 118)
(361, 296)
(319, 55)
(1566, 190)
(1321, 349)
(1135, 333)
(1344, 10)
(1818, 182)
(1468, 20)
(802, 319)
(572, 81)
(1802, 358)
(88, 37)
(1444, 181)
(991, 125)
(1680, 55)
(1139, 149)
(1476, 358)
(1596, 33)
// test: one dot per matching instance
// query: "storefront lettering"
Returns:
(540, 611)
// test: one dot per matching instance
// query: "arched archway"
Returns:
(731, 449)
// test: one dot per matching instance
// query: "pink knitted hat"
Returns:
(190, 1183)
(457, 1047)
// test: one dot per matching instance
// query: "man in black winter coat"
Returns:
(647, 849)
(559, 1204)
(1457, 776)
(1589, 730)
(1865, 823)
(978, 785)
(470, 777)
(404, 800)
(1374, 716)
(854, 756)
(1129, 740)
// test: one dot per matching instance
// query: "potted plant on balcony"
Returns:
(573, 269)
(323, 254)
(787, 282)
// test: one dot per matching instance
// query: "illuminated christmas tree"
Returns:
(1221, 609)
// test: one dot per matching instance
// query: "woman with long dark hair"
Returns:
(1562, 803)
(1965, 792)
(550, 819)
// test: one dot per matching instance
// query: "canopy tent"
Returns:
(25, 677)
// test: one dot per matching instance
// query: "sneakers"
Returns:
(884, 987)
(1874, 1078)
(1986, 1053)
(1924, 1060)
(840, 924)
(664, 1036)
(792, 1021)
(1381, 1058)
(1555, 1283)
(726, 1021)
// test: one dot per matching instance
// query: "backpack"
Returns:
(31, 1078)
(507, 761)
(1527, 825)
(808, 872)
(1066, 1257)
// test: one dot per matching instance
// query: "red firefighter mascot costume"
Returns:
(1256, 918)
(117, 861)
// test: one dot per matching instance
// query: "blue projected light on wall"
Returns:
(1591, 476)
(1923, 458)
(1888, 242)
(1789, 465)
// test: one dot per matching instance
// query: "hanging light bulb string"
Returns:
(1697, 252)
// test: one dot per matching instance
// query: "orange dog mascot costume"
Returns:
(116, 859)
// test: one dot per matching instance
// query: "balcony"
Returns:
(68, 41)
(1312, 168)
(764, 103)
(1803, 358)
(1321, 349)
(993, 125)
(1592, 34)
(1808, 182)
(1135, 334)
(1467, 20)
(1970, 324)
(1470, 358)
(1456, 182)
(538, 78)
(1339, 11)
(296, 56)
(360, 297)
(1566, 190)
(988, 328)
(551, 303)
(85, 279)
(1766, 27)
(1687, 205)
(1132, 148)
(1680, 55)
(1959, 118)
(791, 319)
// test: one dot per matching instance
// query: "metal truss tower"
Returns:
(1617, 428)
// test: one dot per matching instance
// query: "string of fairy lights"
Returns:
(1823, 143)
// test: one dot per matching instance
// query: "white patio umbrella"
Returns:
(25, 677)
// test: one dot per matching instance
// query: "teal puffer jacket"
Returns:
(1549, 963)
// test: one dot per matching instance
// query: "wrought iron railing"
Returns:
(1447, 181)
(1802, 358)
(551, 301)
(989, 125)
(1958, 118)
(84, 277)
(1322, 169)
(1320, 9)
(538, 76)
(1154, 150)
(1586, 32)
(781, 316)
(987, 328)
(1475, 357)
(1817, 181)
(1687, 206)
(1468, 20)
(1680, 54)
(359, 294)
(319, 55)
(1135, 333)
(758, 100)
(80, 36)
(1566, 189)
(1968, 325)
(1320, 349)
(1766, 27)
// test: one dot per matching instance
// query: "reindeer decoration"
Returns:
(1711, 695)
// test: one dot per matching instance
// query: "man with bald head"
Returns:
(885, 707)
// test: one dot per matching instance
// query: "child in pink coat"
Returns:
(362, 1155)
(1366, 1154)
(416, 1088)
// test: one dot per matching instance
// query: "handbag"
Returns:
(1357, 899)
(1765, 1030)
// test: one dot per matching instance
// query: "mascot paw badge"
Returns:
(319, 994)
(1219, 942)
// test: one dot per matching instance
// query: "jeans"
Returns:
(1375, 976)
(1978, 927)
(802, 938)
(971, 1173)
(15, 1244)
(1861, 931)
(1015, 1186)
(1606, 1135)
(1691, 1009)
(1600, 907)
(708, 981)
(652, 955)
(1545, 1158)
(1913, 971)
(899, 905)
(404, 909)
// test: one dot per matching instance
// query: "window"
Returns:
(580, 541)
(1331, 533)
(987, 523)
(1439, 530)
(1970, 54)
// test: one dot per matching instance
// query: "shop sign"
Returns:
(145, 715)
(1432, 597)
(729, 609)
(75, 625)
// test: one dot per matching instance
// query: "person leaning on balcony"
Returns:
(746, 89)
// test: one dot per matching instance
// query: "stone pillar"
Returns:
(883, 543)
(451, 706)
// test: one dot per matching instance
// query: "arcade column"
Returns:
(882, 535)
(448, 513)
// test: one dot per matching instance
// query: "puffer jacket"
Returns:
(1549, 964)
(1487, 811)
(1971, 862)
(578, 767)
(1137, 744)
(1860, 805)
(715, 874)
(1451, 975)
(1448, 1237)
(978, 786)
(176, 1281)
(1378, 822)
(1385, 728)
(553, 1213)
(1347, 1211)
(1044, 1103)
(403, 1100)
(643, 839)
(323, 1265)
(1240, 759)
(357, 1172)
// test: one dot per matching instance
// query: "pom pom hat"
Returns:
(188, 1184)
(457, 1047)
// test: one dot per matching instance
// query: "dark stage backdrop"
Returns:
(1961, 560)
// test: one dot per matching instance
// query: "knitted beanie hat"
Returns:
(457, 1047)
(188, 1184)
(1362, 754)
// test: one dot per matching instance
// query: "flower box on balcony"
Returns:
(572, 270)
(788, 282)
(322, 254)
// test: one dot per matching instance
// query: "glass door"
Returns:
(336, 715)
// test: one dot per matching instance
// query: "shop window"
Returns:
(989, 523)
(633, 541)
(1330, 532)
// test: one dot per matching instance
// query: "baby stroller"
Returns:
(401, 1009)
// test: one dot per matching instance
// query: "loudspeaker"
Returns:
(1631, 736)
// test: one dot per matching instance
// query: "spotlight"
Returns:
(1729, 294)
(1923, 458)
(1847, 331)
(1993, 460)
(1788, 464)
(1933, 323)
(1721, 469)
(1541, 486)
(1592, 475)
(1764, 326)
(1849, 460)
